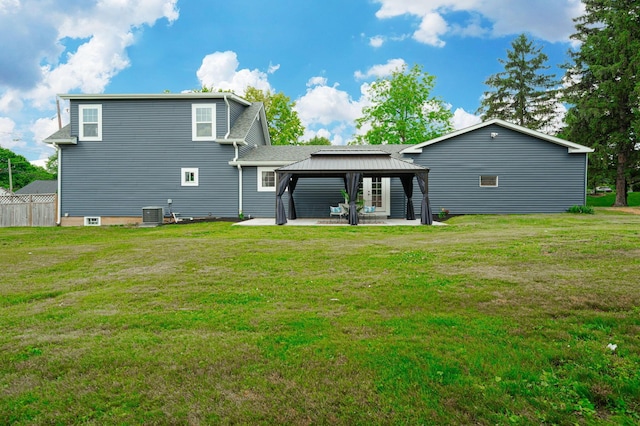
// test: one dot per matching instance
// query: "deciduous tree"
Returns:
(285, 127)
(403, 111)
(22, 171)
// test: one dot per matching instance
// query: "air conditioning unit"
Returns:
(152, 216)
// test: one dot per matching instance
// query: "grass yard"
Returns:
(607, 200)
(489, 320)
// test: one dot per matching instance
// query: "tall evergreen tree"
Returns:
(524, 93)
(605, 88)
(403, 111)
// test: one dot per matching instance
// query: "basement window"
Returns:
(92, 221)
(488, 181)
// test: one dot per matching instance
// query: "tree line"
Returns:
(600, 90)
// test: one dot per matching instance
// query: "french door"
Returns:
(375, 191)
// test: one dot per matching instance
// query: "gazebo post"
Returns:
(282, 181)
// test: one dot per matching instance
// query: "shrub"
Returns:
(580, 209)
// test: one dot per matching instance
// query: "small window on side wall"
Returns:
(266, 179)
(489, 181)
(189, 176)
(90, 125)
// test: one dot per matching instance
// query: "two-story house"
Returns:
(209, 155)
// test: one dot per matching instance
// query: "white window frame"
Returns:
(81, 122)
(183, 176)
(487, 186)
(195, 122)
(261, 187)
(92, 221)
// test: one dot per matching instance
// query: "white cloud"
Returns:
(376, 41)
(317, 81)
(9, 137)
(41, 129)
(462, 119)
(219, 70)
(550, 20)
(328, 111)
(104, 28)
(324, 105)
(432, 27)
(66, 45)
(273, 68)
(381, 70)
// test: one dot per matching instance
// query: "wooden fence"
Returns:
(28, 210)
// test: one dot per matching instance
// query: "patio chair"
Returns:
(338, 211)
(368, 211)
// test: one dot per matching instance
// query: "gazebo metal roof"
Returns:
(330, 162)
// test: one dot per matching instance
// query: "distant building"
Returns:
(39, 187)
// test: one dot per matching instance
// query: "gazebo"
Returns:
(353, 165)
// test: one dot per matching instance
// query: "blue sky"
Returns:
(323, 54)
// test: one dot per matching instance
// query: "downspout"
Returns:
(235, 145)
(586, 178)
(59, 201)
(226, 101)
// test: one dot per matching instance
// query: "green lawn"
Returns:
(607, 200)
(489, 320)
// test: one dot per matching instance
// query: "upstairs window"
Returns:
(90, 117)
(203, 119)
(488, 181)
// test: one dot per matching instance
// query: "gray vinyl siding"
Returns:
(534, 175)
(256, 135)
(236, 110)
(138, 163)
(313, 196)
(398, 202)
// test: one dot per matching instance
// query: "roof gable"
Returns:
(243, 124)
(573, 148)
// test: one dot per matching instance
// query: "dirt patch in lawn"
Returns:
(632, 210)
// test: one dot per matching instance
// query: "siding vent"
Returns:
(152, 216)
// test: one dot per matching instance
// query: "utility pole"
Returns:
(10, 177)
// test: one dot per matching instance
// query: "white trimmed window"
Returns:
(90, 117)
(189, 176)
(92, 221)
(266, 179)
(488, 181)
(203, 122)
